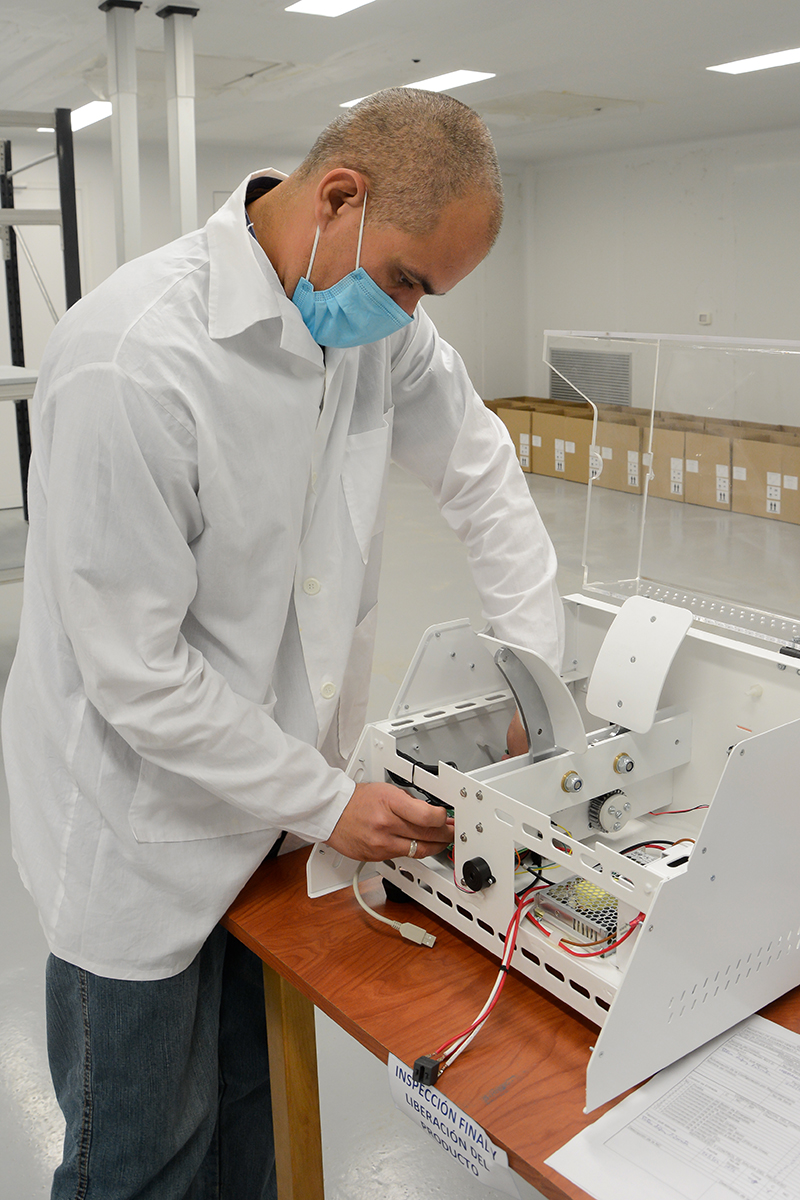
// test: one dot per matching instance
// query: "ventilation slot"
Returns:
(604, 378)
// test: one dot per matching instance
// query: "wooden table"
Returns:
(522, 1079)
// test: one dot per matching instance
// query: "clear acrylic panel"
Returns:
(707, 515)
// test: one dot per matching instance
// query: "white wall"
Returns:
(646, 240)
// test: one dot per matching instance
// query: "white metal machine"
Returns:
(657, 813)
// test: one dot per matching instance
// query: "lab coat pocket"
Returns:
(366, 458)
(170, 808)
(355, 690)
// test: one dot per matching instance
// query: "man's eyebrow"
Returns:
(424, 283)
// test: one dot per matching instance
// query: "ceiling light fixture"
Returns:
(438, 83)
(455, 79)
(87, 114)
(326, 8)
(781, 58)
(90, 114)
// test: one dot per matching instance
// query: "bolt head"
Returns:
(479, 828)
(463, 792)
(479, 795)
(463, 837)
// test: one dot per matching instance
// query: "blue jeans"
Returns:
(165, 1084)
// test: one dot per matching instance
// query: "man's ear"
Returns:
(339, 191)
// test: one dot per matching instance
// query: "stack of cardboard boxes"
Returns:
(737, 465)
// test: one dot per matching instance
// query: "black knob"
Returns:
(478, 874)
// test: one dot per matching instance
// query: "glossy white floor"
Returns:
(371, 1150)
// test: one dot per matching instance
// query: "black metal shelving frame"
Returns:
(66, 216)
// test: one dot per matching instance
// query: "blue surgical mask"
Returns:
(354, 312)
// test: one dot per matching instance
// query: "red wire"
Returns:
(604, 949)
(508, 951)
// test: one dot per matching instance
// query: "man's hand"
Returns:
(381, 821)
(516, 741)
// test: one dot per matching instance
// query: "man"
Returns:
(212, 429)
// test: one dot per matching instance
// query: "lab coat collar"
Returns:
(244, 290)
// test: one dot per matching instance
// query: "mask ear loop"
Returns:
(361, 229)
(358, 248)
(313, 253)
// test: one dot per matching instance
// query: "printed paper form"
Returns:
(721, 1124)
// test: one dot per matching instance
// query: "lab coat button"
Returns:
(312, 587)
(328, 690)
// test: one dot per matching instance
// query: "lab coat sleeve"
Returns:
(444, 434)
(123, 509)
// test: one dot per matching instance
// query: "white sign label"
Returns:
(676, 464)
(524, 439)
(790, 483)
(773, 479)
(773, 493)
(774, 507)
(569, 447)
(722, 470)
(740, 473)
(536, 440)
(608, 452)
(692, 466)
(633, 456)
(559, 445)
(676, 488)
(452, 1129)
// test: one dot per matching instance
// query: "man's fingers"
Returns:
(381, 821)
(416, 812)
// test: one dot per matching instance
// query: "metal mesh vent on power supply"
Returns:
(588, 907)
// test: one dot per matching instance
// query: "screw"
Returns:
(452, 653)
(649, 928)
(619, 704)
(781, 666)
(713, 877)
(463, 837)
(651, 621)
(633, 658)
(617, 826)
(627, 807)
(472, 666)
(704, 849)
(741, 752)
(479, 795)
(463, 792)
(479, 828)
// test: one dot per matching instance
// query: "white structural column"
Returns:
(120, 35)
(179, 65)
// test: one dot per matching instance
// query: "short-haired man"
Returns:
(212, 431)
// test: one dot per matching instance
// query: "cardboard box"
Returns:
(577, 438)
(667, 465)
(517, 421)
(707, 478)
(620, 448)
(547, 445)
(766, 475)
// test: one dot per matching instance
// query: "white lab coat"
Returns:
(207, 494)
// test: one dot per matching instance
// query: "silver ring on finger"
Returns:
(412, 848)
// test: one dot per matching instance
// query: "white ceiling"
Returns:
(572, 76)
